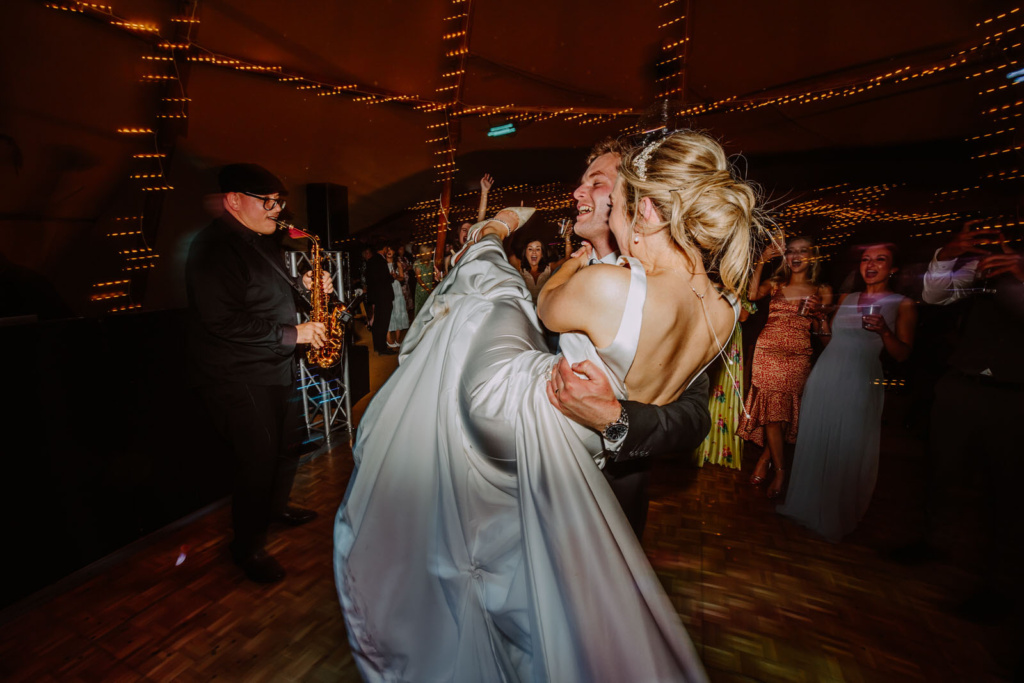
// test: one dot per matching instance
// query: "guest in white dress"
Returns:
(836, 461)
(478, 539)
(399, 323)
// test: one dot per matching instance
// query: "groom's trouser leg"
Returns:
(628, 481)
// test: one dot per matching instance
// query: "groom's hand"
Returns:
(588, 400)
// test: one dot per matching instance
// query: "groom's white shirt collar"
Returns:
(610, 259)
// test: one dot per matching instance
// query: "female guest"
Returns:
(534, 265)
(478, 540)
(836, 459)
(782, 357)
(399, 314)
(723, 445)
(423, 270)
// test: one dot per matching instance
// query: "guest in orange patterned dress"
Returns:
(782, 357)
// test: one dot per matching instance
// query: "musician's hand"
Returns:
(325, 278)
(588, 401)
(313, 334)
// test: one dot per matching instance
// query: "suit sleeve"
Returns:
(678, 427)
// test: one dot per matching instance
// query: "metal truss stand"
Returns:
(326, 403)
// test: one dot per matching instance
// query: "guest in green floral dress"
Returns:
(722, 445)
(423, 268)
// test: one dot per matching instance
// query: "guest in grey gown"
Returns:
(836, 461)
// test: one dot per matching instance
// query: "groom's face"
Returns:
(593, 197)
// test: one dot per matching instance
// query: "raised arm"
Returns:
(485, 186)
(758, 289)
(567, 254)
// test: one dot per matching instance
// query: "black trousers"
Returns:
(381, 322)
(262, 426)
(976, 463)
(629, 480)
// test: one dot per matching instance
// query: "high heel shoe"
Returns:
(522, 212)
(756, 479)
(773, 491)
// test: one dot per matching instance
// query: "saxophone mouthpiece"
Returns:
(293, 232)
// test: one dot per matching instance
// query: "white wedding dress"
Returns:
(478, 540)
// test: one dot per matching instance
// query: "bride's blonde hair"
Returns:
(712, 215)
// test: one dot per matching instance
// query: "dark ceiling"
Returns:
(354, 91)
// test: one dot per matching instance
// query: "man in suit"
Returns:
(241, 344)
(380, 294)
(633, 432)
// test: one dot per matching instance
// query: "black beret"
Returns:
(250, 178)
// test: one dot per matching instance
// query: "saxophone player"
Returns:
(241, 346)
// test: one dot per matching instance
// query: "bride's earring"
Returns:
(636, 238)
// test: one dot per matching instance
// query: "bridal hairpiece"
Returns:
(640, 163)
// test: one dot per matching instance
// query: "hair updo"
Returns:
(711, 214)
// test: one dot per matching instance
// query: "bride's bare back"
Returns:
(676, 339)
(677, 209)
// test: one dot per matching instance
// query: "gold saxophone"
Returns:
(332, 317)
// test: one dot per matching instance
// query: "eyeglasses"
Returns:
(268, 202)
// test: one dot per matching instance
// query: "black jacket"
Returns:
(241, 308)
(379, 289)
(676, 428)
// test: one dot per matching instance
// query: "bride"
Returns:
(478, 540)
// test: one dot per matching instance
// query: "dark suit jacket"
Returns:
(241, 308)
(379, 289)
(674, 429)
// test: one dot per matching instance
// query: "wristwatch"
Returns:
(617, 430)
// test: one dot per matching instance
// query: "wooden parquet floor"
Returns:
(761, 598)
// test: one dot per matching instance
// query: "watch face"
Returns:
(615, 431)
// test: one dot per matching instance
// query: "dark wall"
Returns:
(103, 442)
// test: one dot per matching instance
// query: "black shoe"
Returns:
(260, 567)
(293, 516)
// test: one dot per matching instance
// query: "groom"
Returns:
(633, 432)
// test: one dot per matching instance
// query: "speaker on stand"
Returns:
(327, 212)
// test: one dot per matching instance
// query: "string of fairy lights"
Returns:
(671, 65)
(998, 153)
(987, 59)
(843, 208)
